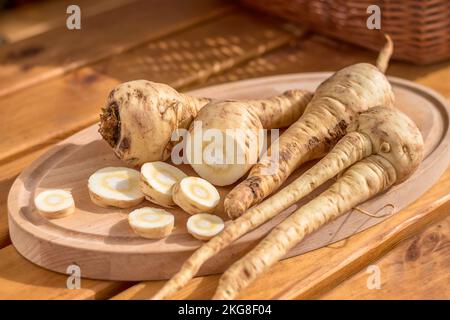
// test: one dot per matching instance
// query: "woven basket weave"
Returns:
(420, 29)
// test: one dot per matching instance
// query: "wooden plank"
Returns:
(61, 106)
(417, 268)
(317, 53)
(38, 17)
(59, 50)
(20, 279)
(193, 56)
(304, 277)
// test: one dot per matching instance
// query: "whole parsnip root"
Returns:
(140, 117)
(336, 103)
(396, 156)
(378, 130)
(240, 125)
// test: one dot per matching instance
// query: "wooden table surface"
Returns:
(53, 82)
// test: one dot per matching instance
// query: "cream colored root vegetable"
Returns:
(225, 153)
(379, 130)
(54, 203)
(204, 226)
(395, 158)
(151, 223)
(336, 103)
(116, 187)
(195, 195)
(140, 117)
(157, 181)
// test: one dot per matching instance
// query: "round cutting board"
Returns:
(100, 241)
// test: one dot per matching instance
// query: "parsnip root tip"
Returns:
(385, 54)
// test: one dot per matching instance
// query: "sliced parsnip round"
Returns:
(151, 223)
(157, 181)
(54, 203)
(115, 186)
(195, 195)
(204, 226)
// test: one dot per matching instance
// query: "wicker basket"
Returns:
(420, 29)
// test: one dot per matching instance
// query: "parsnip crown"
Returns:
(394, 136)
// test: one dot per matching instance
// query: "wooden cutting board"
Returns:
(102, 244)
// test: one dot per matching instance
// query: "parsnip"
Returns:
(336, 104)
(151, 223)
(204, 226)
(140, 117)
(54, 203)
(157, 181)
(380, 131)
(195, 195)
(115, 186)
(236, 129)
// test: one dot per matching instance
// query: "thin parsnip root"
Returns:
(228, 139)
(54, 203)
(397, 151)
(351, 189)
(140, 117)
(377, 131)
(336, 103)
(116, 187)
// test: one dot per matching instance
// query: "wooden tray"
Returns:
(102, 244)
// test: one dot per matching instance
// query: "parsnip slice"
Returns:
(157, 181)
(115, 186)
(195, 195)
(204, 226)
(54, 203)
(151, 223)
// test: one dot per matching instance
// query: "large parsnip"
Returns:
(336, 103)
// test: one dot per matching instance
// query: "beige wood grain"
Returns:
(59, 50)
(100, 241)
(20, 279)
(64, 105)
(37, 17)
(418, 268)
